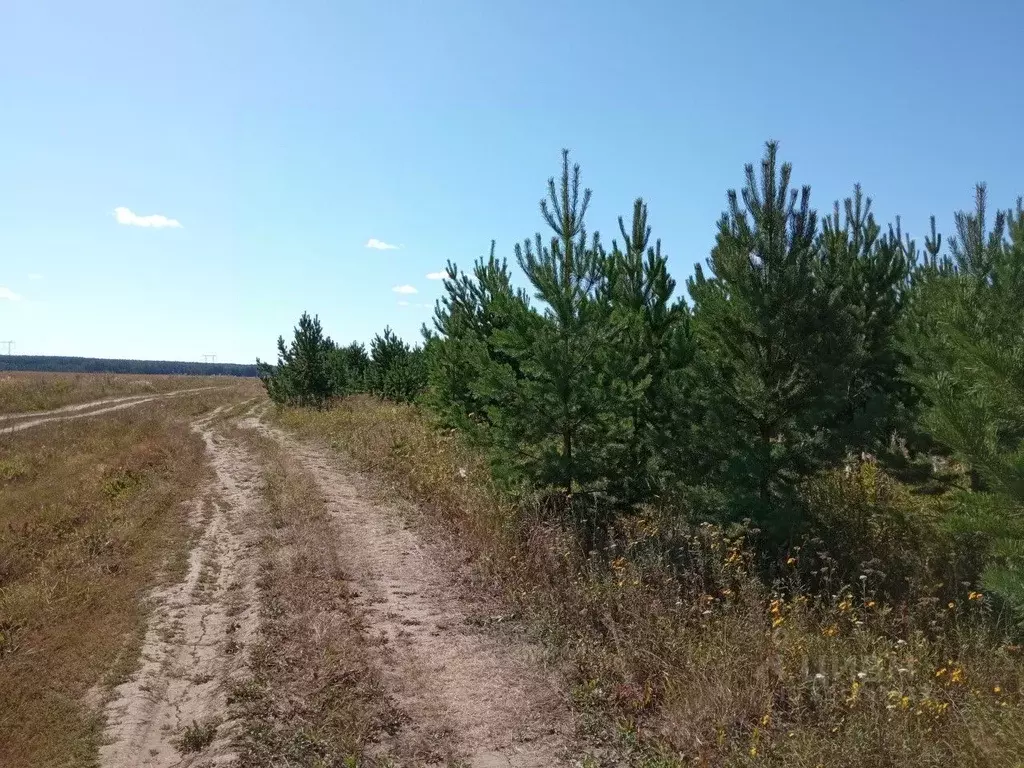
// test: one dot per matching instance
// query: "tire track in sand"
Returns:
(198, 630)
(82, 410)
(468, 698)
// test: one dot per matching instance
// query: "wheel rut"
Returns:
(467, 696)
(198, 631)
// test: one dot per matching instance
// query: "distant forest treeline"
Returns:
(48, 363)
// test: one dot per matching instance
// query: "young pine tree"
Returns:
(870, 273)
(461, 354)
(648, 350)
(775, 348)
(302, 375)
(971, 372)
(347, 369)
(396, 371)
(547, 410)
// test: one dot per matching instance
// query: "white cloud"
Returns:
(436, 275)
(35, 276)
(404, 289)
(380, 245)
(156, 221)
(7, 293)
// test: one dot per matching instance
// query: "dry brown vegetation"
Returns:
(312, 697)
(683, 655)
(91, 518)
(25, 392)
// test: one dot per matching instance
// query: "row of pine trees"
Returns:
(806, 340)
(313, 369)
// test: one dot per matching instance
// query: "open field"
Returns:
(26, 392)
(93, 513)
(203, 579)
(182, 583)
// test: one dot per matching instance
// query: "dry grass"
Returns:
(312, 698)
(25, 392)
(685, 656)
(91, 517)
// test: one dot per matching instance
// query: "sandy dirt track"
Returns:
(82, 410)
(466, 696)
(198, 631)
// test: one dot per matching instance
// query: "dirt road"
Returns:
(22, 421)
(465, 696)
(199, 628)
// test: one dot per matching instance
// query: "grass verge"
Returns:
(91, 513)
(23, 392)
(683, 655)
(312, 697)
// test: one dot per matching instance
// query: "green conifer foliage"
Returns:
(648, 350)
(396, 371)
(775, 347)
(971, 372)
(547, 408)
(460, 356)
(870, 273)
(347, 369)
(302, 375)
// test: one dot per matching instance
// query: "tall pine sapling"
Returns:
(870, 272)
(775, 348)
(975, 400)
(396, 371)
(462, 351)
(302, 375)
(648, 349)
(547, 409)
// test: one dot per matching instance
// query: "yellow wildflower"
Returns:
(974, 596)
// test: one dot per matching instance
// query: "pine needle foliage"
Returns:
(396, 370)
(775, 345)
(971, 337)
(547, 408)
(302, 375)
(806, 342)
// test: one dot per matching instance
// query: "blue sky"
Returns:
(284, 136)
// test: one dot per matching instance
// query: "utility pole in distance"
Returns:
(10, 346)
(209, 358)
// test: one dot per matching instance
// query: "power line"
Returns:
(209, 358)
(10, 346)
